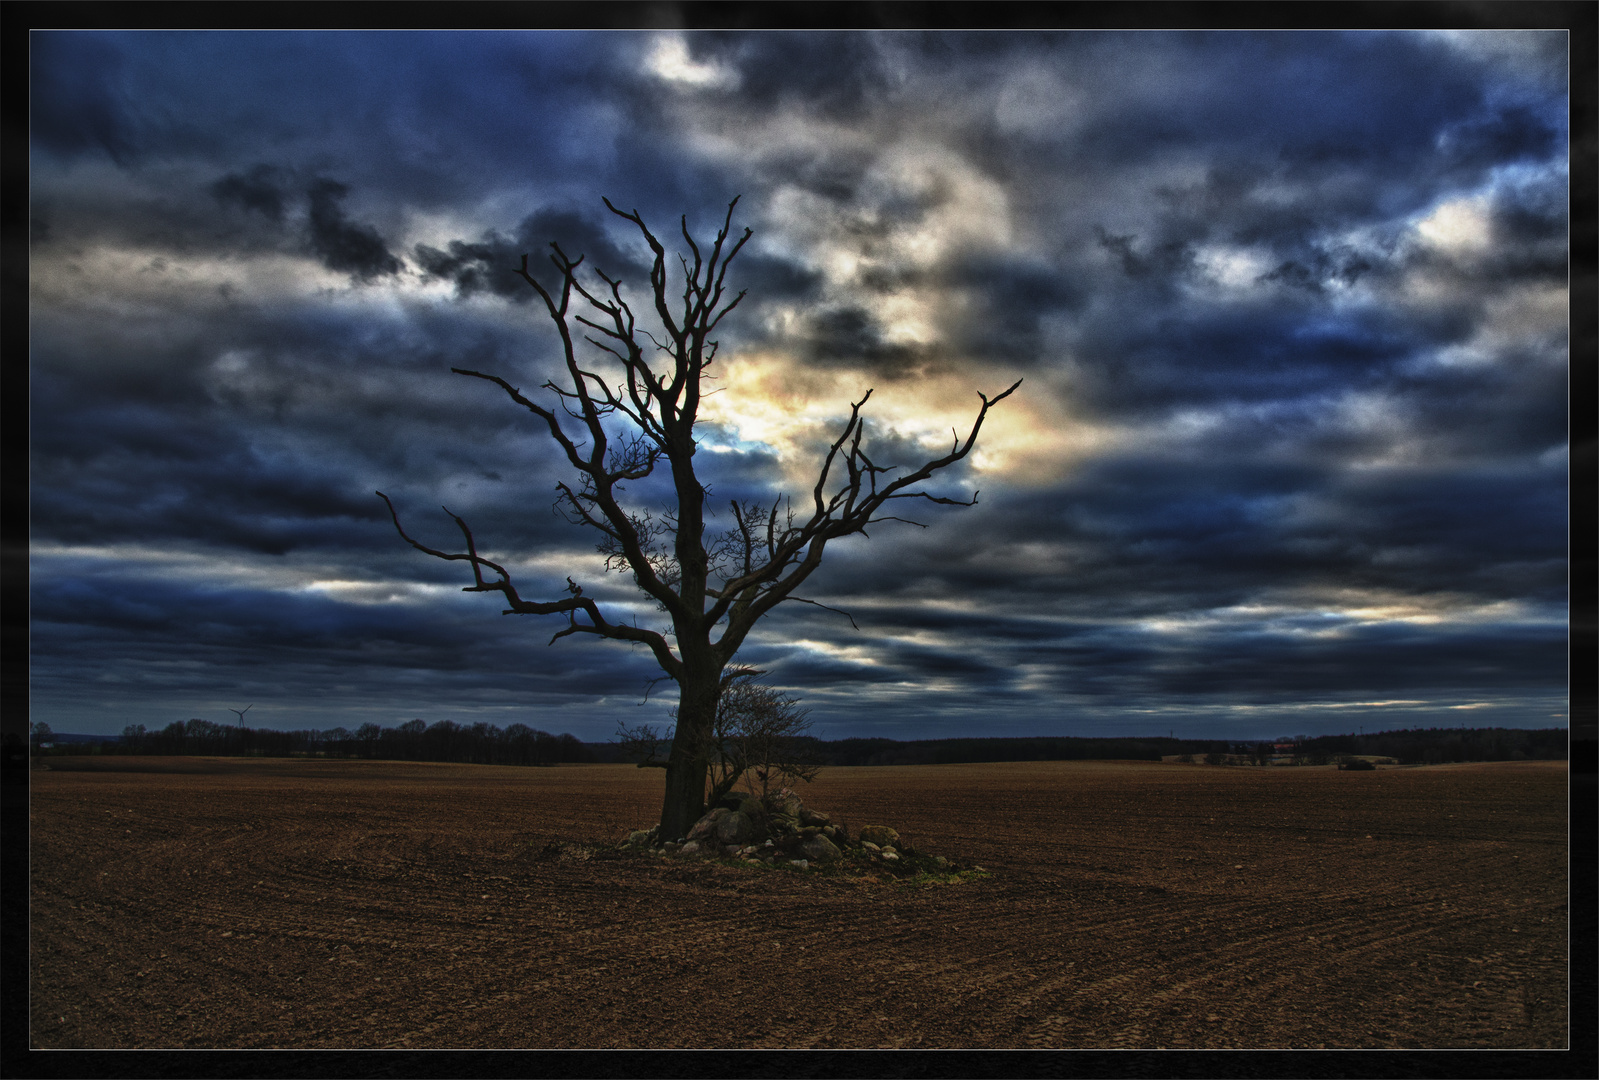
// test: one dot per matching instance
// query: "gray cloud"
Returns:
(490, 263)
(1289, 307)
(75, 103)
(342, 244)
(260, 189)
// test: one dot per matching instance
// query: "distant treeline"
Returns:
(1413, 747)
(482, 744)
(1433, 746)
(520, 744)
(971, 750)
(959, 751)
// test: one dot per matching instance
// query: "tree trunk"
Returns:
(684, 802)
(685, 796)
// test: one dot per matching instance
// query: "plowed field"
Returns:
(224, 903)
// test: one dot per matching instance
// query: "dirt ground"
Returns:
(228, 903)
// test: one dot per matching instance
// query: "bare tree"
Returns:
(762, 734)
(616, 429)
(759, 736)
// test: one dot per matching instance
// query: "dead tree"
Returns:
(616, 429)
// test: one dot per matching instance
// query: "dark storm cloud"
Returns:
(126, 472)
(74, 95)
(1212, 530)
(1319, 657)
(314, 657)
(274, 438)
(837, 177)
(1320, 457)
(1534, 219)
(1169, 258)
(1320, 269)
(1143, 540)
(1508, 134)
(850, 337)
(1387, 661)
(835, 75)
(1220, 357)
(1075, 669)
(490, 263)
(342, 244)
(1007, 302)
(261, 190)
(379, 110)
(1353, 101)
(770, 278)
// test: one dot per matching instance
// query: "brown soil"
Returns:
(224, 903)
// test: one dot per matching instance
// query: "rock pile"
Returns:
(780, 829)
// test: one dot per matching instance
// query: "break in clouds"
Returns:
(1290, 453)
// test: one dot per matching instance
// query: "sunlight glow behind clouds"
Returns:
(669, 59)
(1459, 226)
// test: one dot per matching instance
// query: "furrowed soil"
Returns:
(228, 903)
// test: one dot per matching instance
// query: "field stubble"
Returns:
(227, 903)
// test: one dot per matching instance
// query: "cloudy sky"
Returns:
(1289, 456)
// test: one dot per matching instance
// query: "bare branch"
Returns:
(824, 607)
(569, 607)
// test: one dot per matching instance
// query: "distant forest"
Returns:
(481, 744)
(519, 744)
(1411, 747)
(1433, 746)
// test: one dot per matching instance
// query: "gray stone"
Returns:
(881, 835)
(819, 848)
(758, 818)
(706, 825)
(751, 808)
(735, 827)
(811, 817)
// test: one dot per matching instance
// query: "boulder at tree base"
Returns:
(779, 829)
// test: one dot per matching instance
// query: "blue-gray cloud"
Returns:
(1289, 307)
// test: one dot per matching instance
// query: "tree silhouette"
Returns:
(617, 428)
